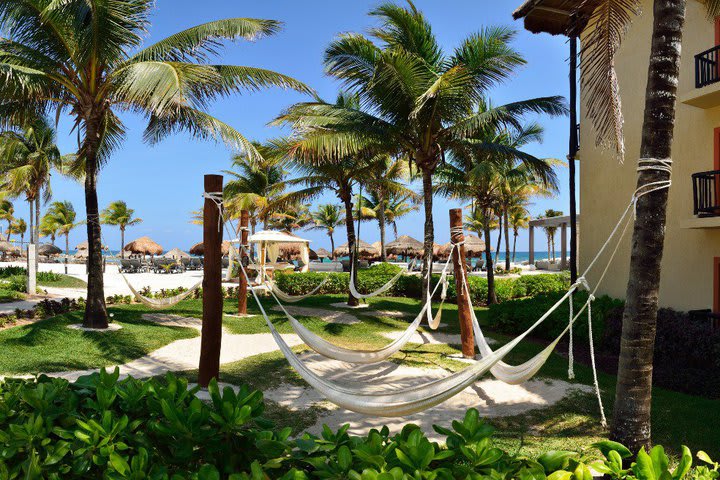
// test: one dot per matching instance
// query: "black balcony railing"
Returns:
(706, 202)
(707, 70)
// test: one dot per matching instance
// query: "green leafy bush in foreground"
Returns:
(100, 427)
(410, 286)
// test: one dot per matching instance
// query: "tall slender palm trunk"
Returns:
(95, 310)
(350, 227)
(32, 222)
(491, 295)
(429, 237)
(515, 235)
(122, 242)
(507, 240)
(332, 246)
(631, 420)
(37, 229)
(381, 222)
(500, 235)
(67, 251)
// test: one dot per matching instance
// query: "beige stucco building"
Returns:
(691, 263)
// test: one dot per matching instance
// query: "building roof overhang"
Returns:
(556, 17)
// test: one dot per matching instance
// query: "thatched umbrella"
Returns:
(81, 254)
(7, 248)
(473, 246)
(292, 250)
(405, 245)
(313, 254)
(82, 246)
(144, 246)
(176, 254)
(364, 249)
(48, 249)
(199, 248)
(322, 253)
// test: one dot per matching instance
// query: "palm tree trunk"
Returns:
(429, 231)
(631, 419)
(491, 295)
(37, 229)
(122, 243)
(332, 246)
(515, 235)
(95, 310)
(32, 221)
(67, 250)
(507, 241)
(350, 227)
(500, 235)
(381, 221)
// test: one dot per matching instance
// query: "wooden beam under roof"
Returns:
(556, 17)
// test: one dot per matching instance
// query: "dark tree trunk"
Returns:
(507, 241)
(381, 221)
(515, 235)
(95, 310)
(67, 251)
(631, 419)
(571, 156)
(491, 295)
(332, 246)
(350, 227)
(429, 231)
(37, 229)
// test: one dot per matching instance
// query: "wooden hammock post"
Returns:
(242, 281)
(212, 285)
(460, 270)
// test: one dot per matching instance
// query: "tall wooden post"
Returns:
(242, 281)
(572, 154)
(463, 302)
(212, 285)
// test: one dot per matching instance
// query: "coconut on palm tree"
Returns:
(89, 62)
(63, 217)
(328, 217)
(418, 100)
(118, 214)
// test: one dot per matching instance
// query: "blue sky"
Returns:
(163, 183)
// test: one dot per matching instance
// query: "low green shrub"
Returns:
(48, 277)
(410, 286)
(10, 271)
(515, 316)
(100, 427)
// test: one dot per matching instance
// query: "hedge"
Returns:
(372, 278)
(101, 427)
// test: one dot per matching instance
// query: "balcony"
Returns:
(706, 200)
(706, 93)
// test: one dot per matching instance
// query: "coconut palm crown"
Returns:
(86, 59)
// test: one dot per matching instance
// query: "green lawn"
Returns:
(49, 346)
(65, 281)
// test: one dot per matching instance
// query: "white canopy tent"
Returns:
(269, 244)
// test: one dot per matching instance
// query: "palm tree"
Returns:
(607, 25)
(518, 218)
(385, 182)
(292, 217)
(418, 99)
(88, 61)
(18, 226)
(479, 170)
(397, 206)
(48, 228)
(27, 157)
(256, 185)
(7, 212)
(119, 215)
(62, 215)
(550, 232)
(328, 217)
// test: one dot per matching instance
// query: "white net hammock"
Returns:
(160, 303)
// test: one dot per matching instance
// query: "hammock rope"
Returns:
(287, 298)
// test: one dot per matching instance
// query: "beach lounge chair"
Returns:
(127, 266)
(326, 267)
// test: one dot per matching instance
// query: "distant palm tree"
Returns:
(48, 228)
(293, 217)
(7, 212)
(63, 216)
(328, 217)
(416, 96)
(119, 215)
(256, 185)
(18, 226)
(518, 218)
(397, 206)
(86, 59)
(27, 158)
(550, 232)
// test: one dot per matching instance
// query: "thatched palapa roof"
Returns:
(144, 246)
(48, 249)
(322, 253)
(556, 17)
(176, 254)
(7, 247)
(199, 248)
(405, 244)
(473, 246)
(364, 248)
